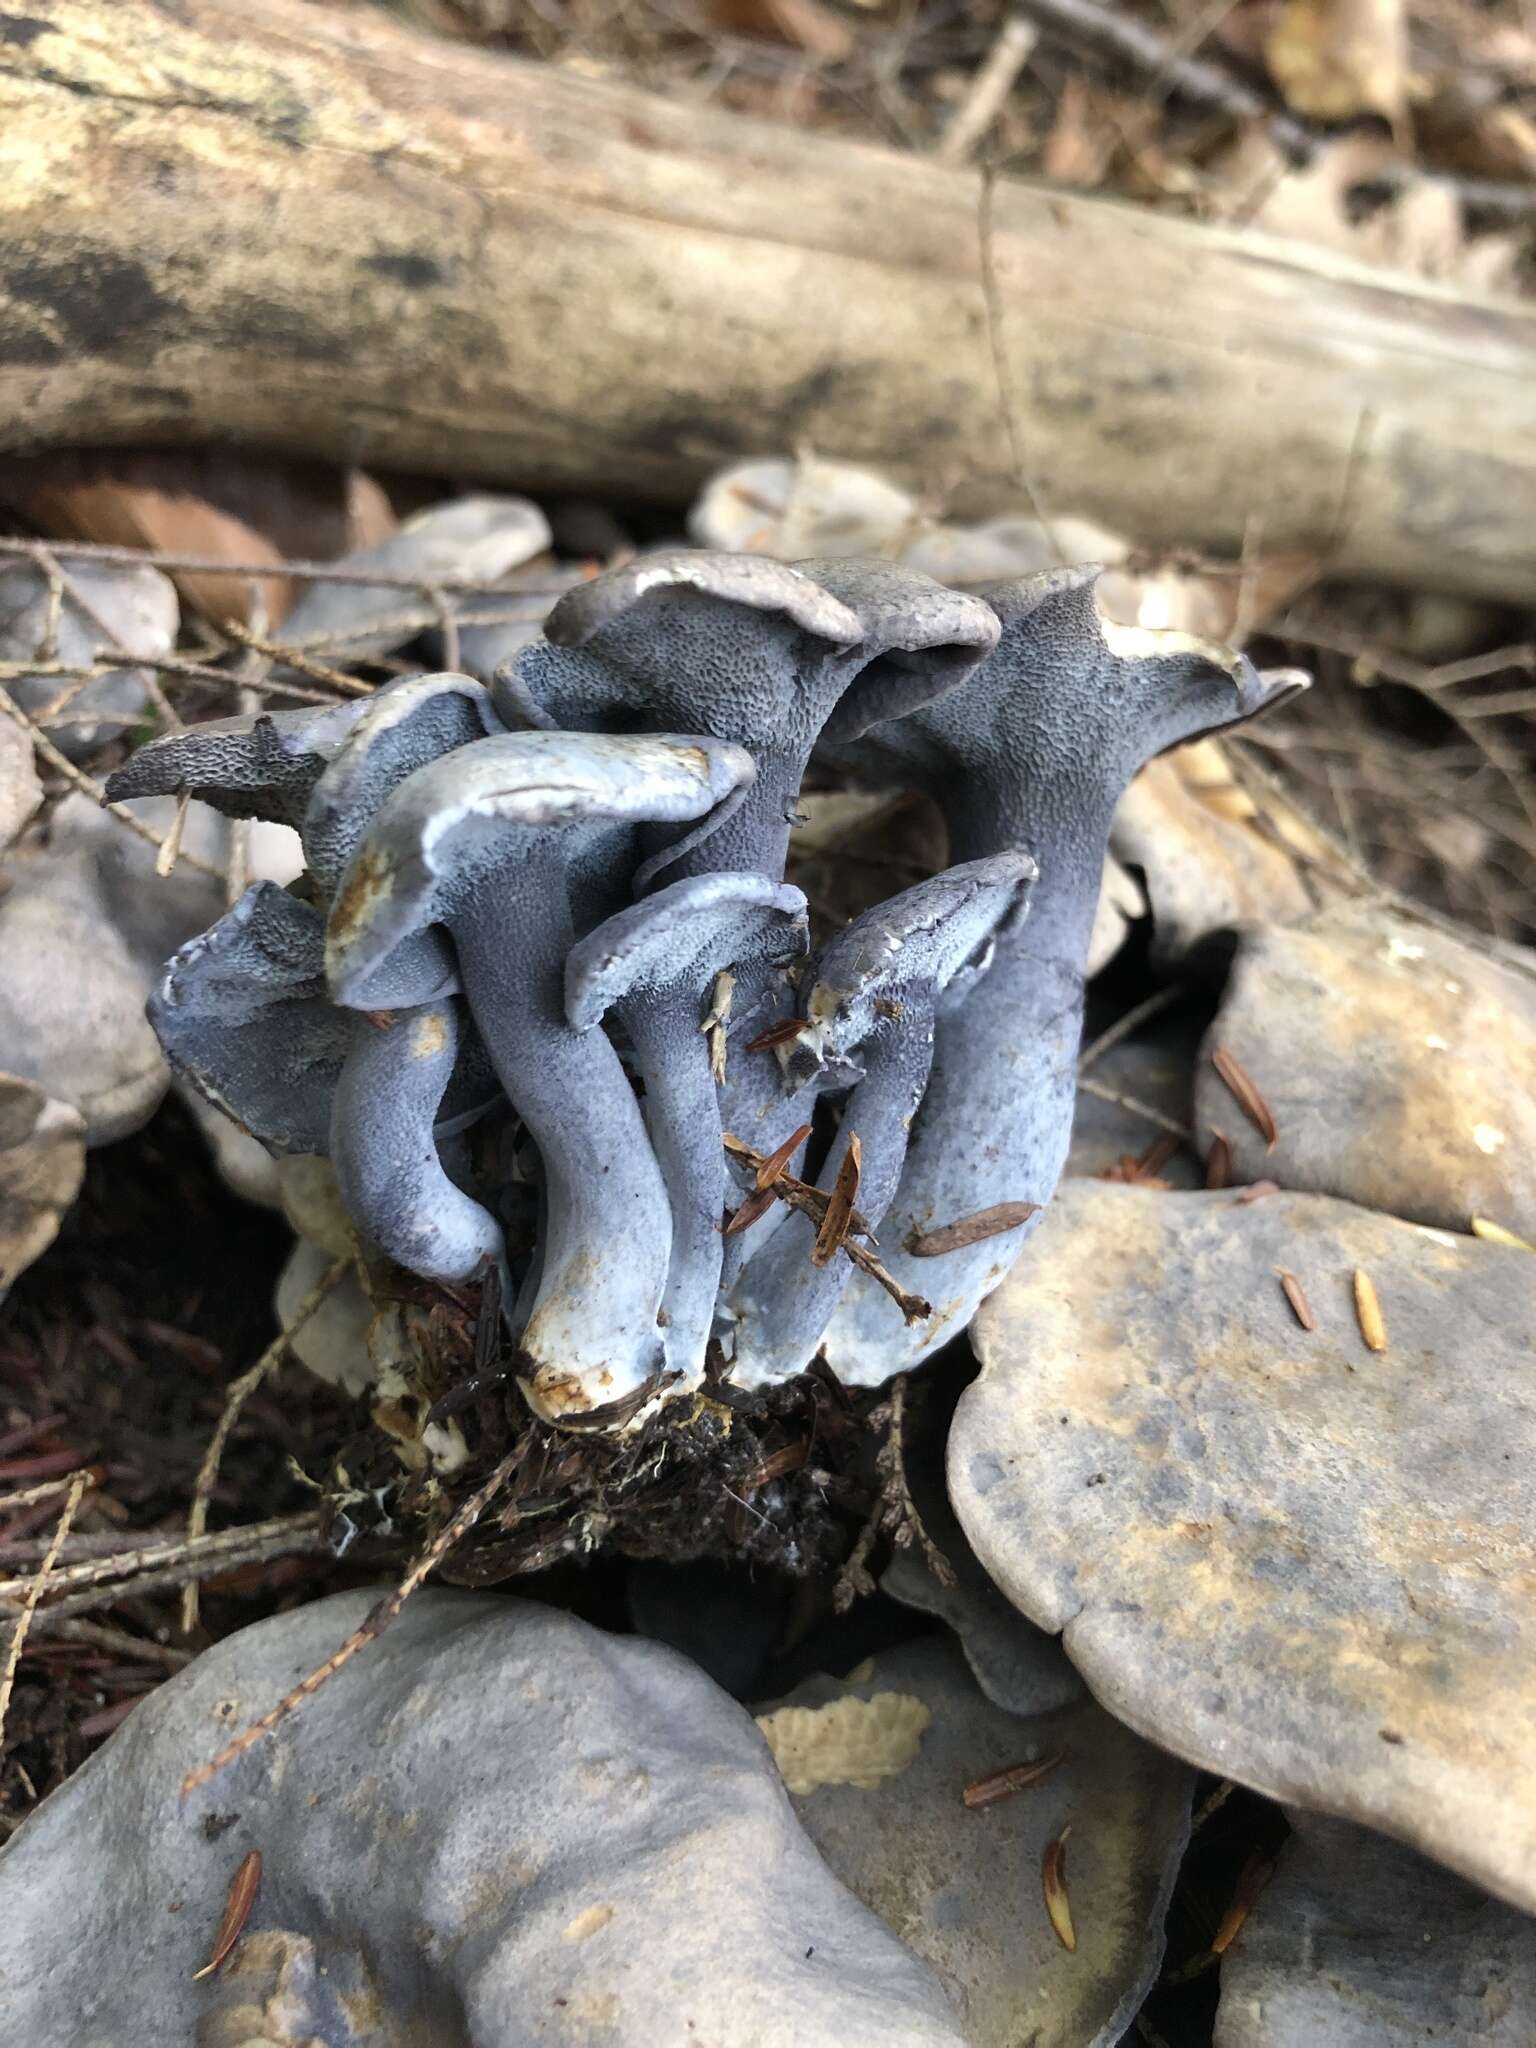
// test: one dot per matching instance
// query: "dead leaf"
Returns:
(1244, 1090)
(215, 503)
(1357, 196)
(1335, 59)
(966, 1230)
(1053, 1878)
(839, 1217)
(1081, 143)
(1373, 1328)
(805, 23)
(237, 1910)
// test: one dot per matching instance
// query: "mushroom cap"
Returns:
(735, 644)
(1202, 686)
(756, 581)
(917, 942)
(242, 1013)
(923, 640)
(454, 827)
(265, 766)
(405, 726)
(1068, 699)
(680, 938)
(709, 642)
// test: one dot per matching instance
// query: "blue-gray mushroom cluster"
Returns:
(565, 893)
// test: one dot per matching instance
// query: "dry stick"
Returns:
(91, 787)
(285, 1536)
(1109, 33)
(171, 1554)
(811, 1202)
(34, 1594)
(239, 1393)
(45, 1489)
(312, 572)
(258, 643)
(102, 1636)
(1002, 369)
(1136, 1107)
(379, 1619)
(988, 91)
(1154, 1005)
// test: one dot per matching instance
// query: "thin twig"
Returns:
(308, 572)
(1002, 368)
(274, 650)
(239, 1393)
(1108, 32)
(988, 91)
(91, 787)
(29, 1607)
(284, 1536)
(45, 1489)
(1154, 1005)
(101, 1635)
(1135, 1107)
(168, 1553)
(811, 1202)
(373, 1626)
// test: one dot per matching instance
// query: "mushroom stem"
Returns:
(609, 1227)
(391, 1178)
(994, 1126)
(783, 1302)
(682, 1114)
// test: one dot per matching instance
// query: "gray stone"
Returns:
(42, 1163)
(86, 925)
(479, 537)
(1018, 1666)
(962, 1887)
(1358, 1943)
(1203, 873)
(131, 604)
(21, 790)
(72, 995)
(1300, 1563)
(1156, 1070)
(495, 1827)
(1399, 1063)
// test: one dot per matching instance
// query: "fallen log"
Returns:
(306, 228)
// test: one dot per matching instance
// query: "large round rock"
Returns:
(497, 1827)
(1294, 1560)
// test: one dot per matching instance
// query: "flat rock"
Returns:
(1356, 1942)
(496, 1827)
(1203, 873)
(1299, 1563)
(1156, 1071)
(1399, 1063)
(42, 1163)
(72, 996)
(132, 604)
(21, 789)
(963, 1888)
(85, 927)
(478, 538)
